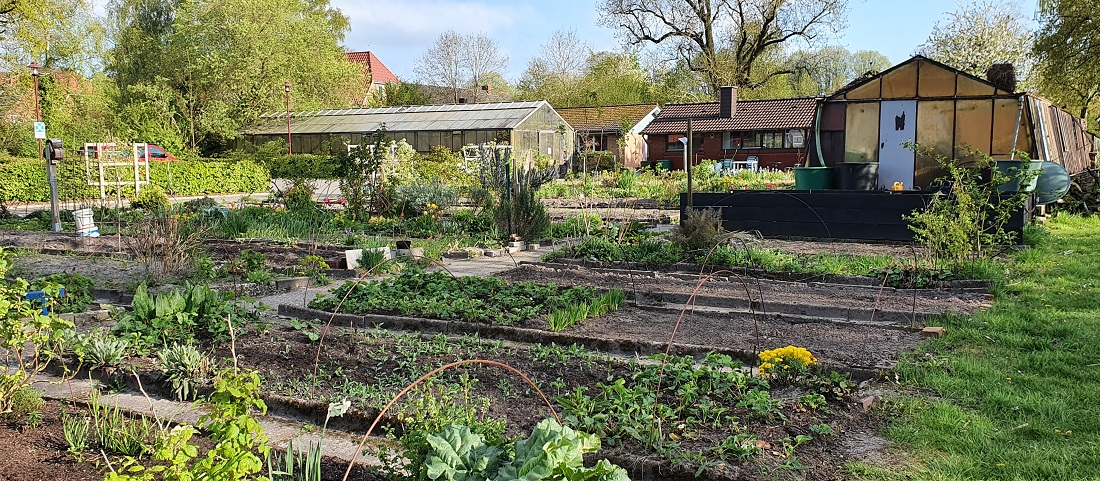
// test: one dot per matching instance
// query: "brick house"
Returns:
(776, 131)
(375, 72)
(600, 129)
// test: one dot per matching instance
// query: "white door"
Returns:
(897, 125)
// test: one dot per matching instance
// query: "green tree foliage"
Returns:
(400, 94)
(606, 78)
(1068, 50)
(204, 70)
(979, 35)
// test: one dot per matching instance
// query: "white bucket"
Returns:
(85, 224)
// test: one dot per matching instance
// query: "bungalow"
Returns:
(770, 133)
(602, 129)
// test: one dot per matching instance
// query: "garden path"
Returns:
(280, 431)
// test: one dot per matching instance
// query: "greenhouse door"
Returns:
(897, 125)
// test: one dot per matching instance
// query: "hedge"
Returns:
(24, 180)
(302, 166)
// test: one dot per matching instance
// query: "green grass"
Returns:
(1011, 393)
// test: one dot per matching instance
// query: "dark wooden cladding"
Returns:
(848, 215)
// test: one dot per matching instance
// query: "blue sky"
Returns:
(399, 31)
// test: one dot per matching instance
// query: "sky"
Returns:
(399, 31)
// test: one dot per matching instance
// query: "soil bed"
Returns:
(841, 296)
(40, 453)
(368, 366)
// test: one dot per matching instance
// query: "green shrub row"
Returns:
(24, 180)
(301, 166)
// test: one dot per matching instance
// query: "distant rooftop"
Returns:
(606, 119)
(378, 71)
(771, 114)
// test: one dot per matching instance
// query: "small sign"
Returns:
(40, 130)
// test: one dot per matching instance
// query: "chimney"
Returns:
(1003, 75)
(727, 102)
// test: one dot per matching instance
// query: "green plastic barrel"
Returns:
(813, 178)
(664, 164)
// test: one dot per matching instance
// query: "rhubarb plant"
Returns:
(552, 452)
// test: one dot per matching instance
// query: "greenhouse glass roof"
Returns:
(495, 116)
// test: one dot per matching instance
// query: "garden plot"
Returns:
(711, 419)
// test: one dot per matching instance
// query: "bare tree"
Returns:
(722, 39)
(481, 56)
(561, 61)
(442, 64)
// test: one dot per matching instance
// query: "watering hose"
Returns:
(817, 133)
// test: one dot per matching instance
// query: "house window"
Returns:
(674, 144)
(771, 140)
(790, 139)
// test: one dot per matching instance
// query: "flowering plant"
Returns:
(785, 362)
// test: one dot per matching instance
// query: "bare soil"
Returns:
(41, 453)
(351, 357)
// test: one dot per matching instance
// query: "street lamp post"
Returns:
(51, 169)
(286, 90)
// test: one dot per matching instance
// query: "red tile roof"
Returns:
(378, 72)
(772, 114)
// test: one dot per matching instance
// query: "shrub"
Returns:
(24, 180)
(25, 402)
(412, 200)
(151, 198)
(299, 196)
(969, 217)
(78, 290)
(700, 229)
(601, 249)
(523, 214)
(301, 166)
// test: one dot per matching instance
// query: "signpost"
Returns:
(40, 130)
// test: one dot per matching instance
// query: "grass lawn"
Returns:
(1011, 393)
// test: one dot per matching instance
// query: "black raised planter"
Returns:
(857, 176)
(847, 215)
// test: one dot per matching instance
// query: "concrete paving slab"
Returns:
(280, 431)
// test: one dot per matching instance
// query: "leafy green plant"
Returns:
(178, 316)
(314, 266)
(552, 451)
(440, 296)
(151, 198)
(76, 430)
(25, 403)
(183, 367)
(240, 445)
(967, 218)
(78, 290)
(25, 333)
(106, 352)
